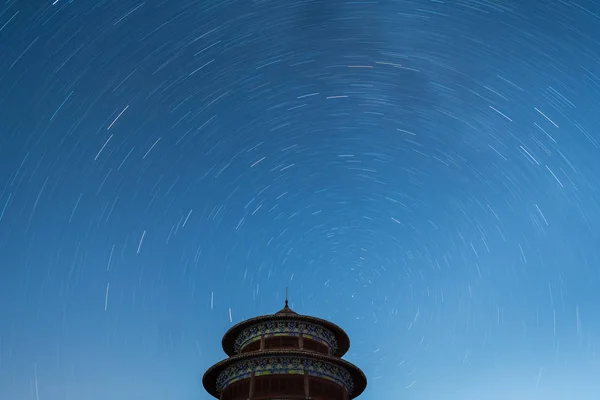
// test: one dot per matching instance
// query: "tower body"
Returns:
(285, 356)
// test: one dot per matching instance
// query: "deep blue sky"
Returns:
(426, 174)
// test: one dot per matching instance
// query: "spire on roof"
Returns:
(286, 309)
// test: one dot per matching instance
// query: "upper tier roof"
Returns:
(285, 314)
(286, 310)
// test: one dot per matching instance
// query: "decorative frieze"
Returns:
(285, 328)
(284, 365)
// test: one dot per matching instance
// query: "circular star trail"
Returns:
(422, 173)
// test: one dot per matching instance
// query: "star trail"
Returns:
(424, 173)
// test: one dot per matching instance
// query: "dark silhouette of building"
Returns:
(285, 356)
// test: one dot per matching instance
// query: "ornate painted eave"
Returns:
(359, 380)
(228, 342)
(285, 328)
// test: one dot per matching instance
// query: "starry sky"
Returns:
(424, 173)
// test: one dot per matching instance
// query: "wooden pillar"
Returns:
(251, 394)
(262, 342)
(301, 341)
(306, 385)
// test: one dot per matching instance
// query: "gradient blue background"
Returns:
(426, 174)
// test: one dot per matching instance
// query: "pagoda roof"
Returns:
(286, 310)
(209, 380)
(285, 314)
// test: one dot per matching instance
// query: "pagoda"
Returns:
(285, 356)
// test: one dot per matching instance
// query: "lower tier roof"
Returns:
(359, 379)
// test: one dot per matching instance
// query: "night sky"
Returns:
(425, 174)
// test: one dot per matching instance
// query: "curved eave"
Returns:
(209, 380)
(228, 342)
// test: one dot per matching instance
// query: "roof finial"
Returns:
(286, 296)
